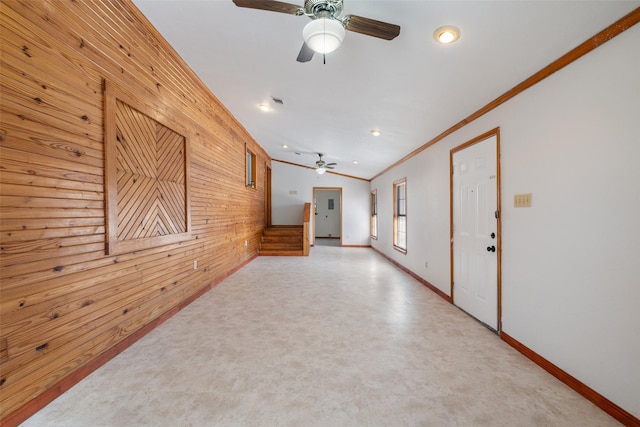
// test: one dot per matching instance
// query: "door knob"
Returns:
(491, 248)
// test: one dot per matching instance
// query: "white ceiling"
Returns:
(411, 88)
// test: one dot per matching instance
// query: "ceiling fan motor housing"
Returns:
(315, 7)
(320, 163)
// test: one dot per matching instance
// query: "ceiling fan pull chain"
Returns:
(324, 53)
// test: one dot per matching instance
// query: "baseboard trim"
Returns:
(30, 408)
(356, 246)
(626, 418)
(415, 276)
(587, 392)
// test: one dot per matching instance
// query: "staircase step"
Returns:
(283, 232)
(286, 238)
(280, 253)
(281, 245)
(282, 241)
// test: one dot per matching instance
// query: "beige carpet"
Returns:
(341, 338)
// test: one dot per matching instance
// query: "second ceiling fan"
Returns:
(322, 166)
(326, 31)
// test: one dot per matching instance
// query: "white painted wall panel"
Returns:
(570, 266)
(293, 186)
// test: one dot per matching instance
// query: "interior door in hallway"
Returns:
(475, 224)
(328, 212)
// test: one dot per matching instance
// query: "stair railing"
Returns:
(306, 218)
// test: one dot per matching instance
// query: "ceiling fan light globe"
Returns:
(323, 35)
(321, 170)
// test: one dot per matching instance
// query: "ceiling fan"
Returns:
(326, 31)
(322, 166)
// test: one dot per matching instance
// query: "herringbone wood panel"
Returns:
(151, 179)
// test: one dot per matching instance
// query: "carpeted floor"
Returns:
(340, 338)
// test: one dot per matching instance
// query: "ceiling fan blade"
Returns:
(305, 54)
(331, 164)
(270, 5)
(371, 27)
(329, 167)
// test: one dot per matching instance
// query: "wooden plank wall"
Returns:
(63, 301)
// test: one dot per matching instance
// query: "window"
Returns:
(400, 215)
(251, 169)
(374, 215)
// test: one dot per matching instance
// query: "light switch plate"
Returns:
(522, 200)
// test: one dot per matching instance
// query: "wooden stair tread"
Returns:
(281, 253)
(282, 241)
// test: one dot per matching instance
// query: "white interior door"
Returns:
(475, 229)
(328, 212)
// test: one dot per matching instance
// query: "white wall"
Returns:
(292, 186)
(571, 262)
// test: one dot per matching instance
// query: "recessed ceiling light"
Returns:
(376, 132)
(264, 107)
(285, 146)
(446, 35)
(355, 162)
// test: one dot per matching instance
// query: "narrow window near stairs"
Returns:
(374, 214)
(400, 215)
(251, 169)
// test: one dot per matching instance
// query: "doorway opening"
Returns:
(327, 218)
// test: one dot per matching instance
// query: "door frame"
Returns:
(493, 132)
(315, 212)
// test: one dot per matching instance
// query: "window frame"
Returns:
(250, 178)
(400, 211)
(373, 214)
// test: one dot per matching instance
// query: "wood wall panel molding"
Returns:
(147, 185)
(60, 387)
(626, 418)
(603, 36)
(328, 171)
(599, 400)
(65, 305)
(415, 276)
